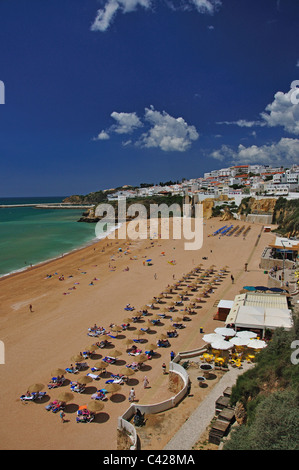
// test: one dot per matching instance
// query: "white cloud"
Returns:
(164, 131)
(167, 133)
(106, 15)
(243, 123)
(283, 112)
(102, 136)
(206, 6)
(284, 152)
(126, 122)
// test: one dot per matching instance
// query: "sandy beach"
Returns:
(96, 288)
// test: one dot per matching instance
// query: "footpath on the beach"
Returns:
(195, 426)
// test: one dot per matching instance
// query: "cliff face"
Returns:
(286, 216)
(250, 205)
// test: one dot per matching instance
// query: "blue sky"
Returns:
(101, 93)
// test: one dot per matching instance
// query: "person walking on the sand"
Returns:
(132, 394)
(145, 382)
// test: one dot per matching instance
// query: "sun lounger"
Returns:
(71, 370)
(75, 387)
(114, 381)
(109, 359)
(94, 376)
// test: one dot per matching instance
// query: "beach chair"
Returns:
(114, 381)
(78, 388)
(109, 360)
(71, 370)
(93, 376)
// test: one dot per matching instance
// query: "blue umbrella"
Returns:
(249, 287)
(276, 289)
(261, 288)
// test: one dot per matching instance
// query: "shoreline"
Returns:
(91, 242)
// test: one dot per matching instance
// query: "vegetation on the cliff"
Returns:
(269, 392)
(286, 216)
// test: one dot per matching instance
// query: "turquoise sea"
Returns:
(30, 236)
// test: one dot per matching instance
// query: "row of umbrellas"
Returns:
(263, 289)
(96, 406)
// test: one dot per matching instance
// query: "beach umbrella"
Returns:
(276, 289)
(115, 353)
(239, 341)
(34, 388)
(77, 358)
(152, 346)
(256, 344)
(246, 334)
(116, 329)
(250, 288)
(222, 344)
(95, 406)
(104, 338)
(127, 320)
(56, 372)
(141, 358)
(91, 348)
(140, 332)
(128, 341)
(176, 319)
(210, 337)
(100, 365)
(162, 336)
(127, 371)
(225, 331)
(112, 387)
(84, 380)
(65, 396)
(261, 288)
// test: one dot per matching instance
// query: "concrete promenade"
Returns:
(200, 419)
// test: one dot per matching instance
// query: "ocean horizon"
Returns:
(29, 236)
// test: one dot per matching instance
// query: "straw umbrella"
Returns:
(65, 396)
(95, 406)
(116, 329)
(56, 372)
(128, 341)
(112, 388)
(35, 388)
(141, 358)
(77, 358)
(91, 348)
(84, 380)
(127, 371)
(115, 353)
(152, 346)
(100, 365)
(140, 333)
(176, 319)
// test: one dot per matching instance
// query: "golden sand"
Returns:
(39, 341)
